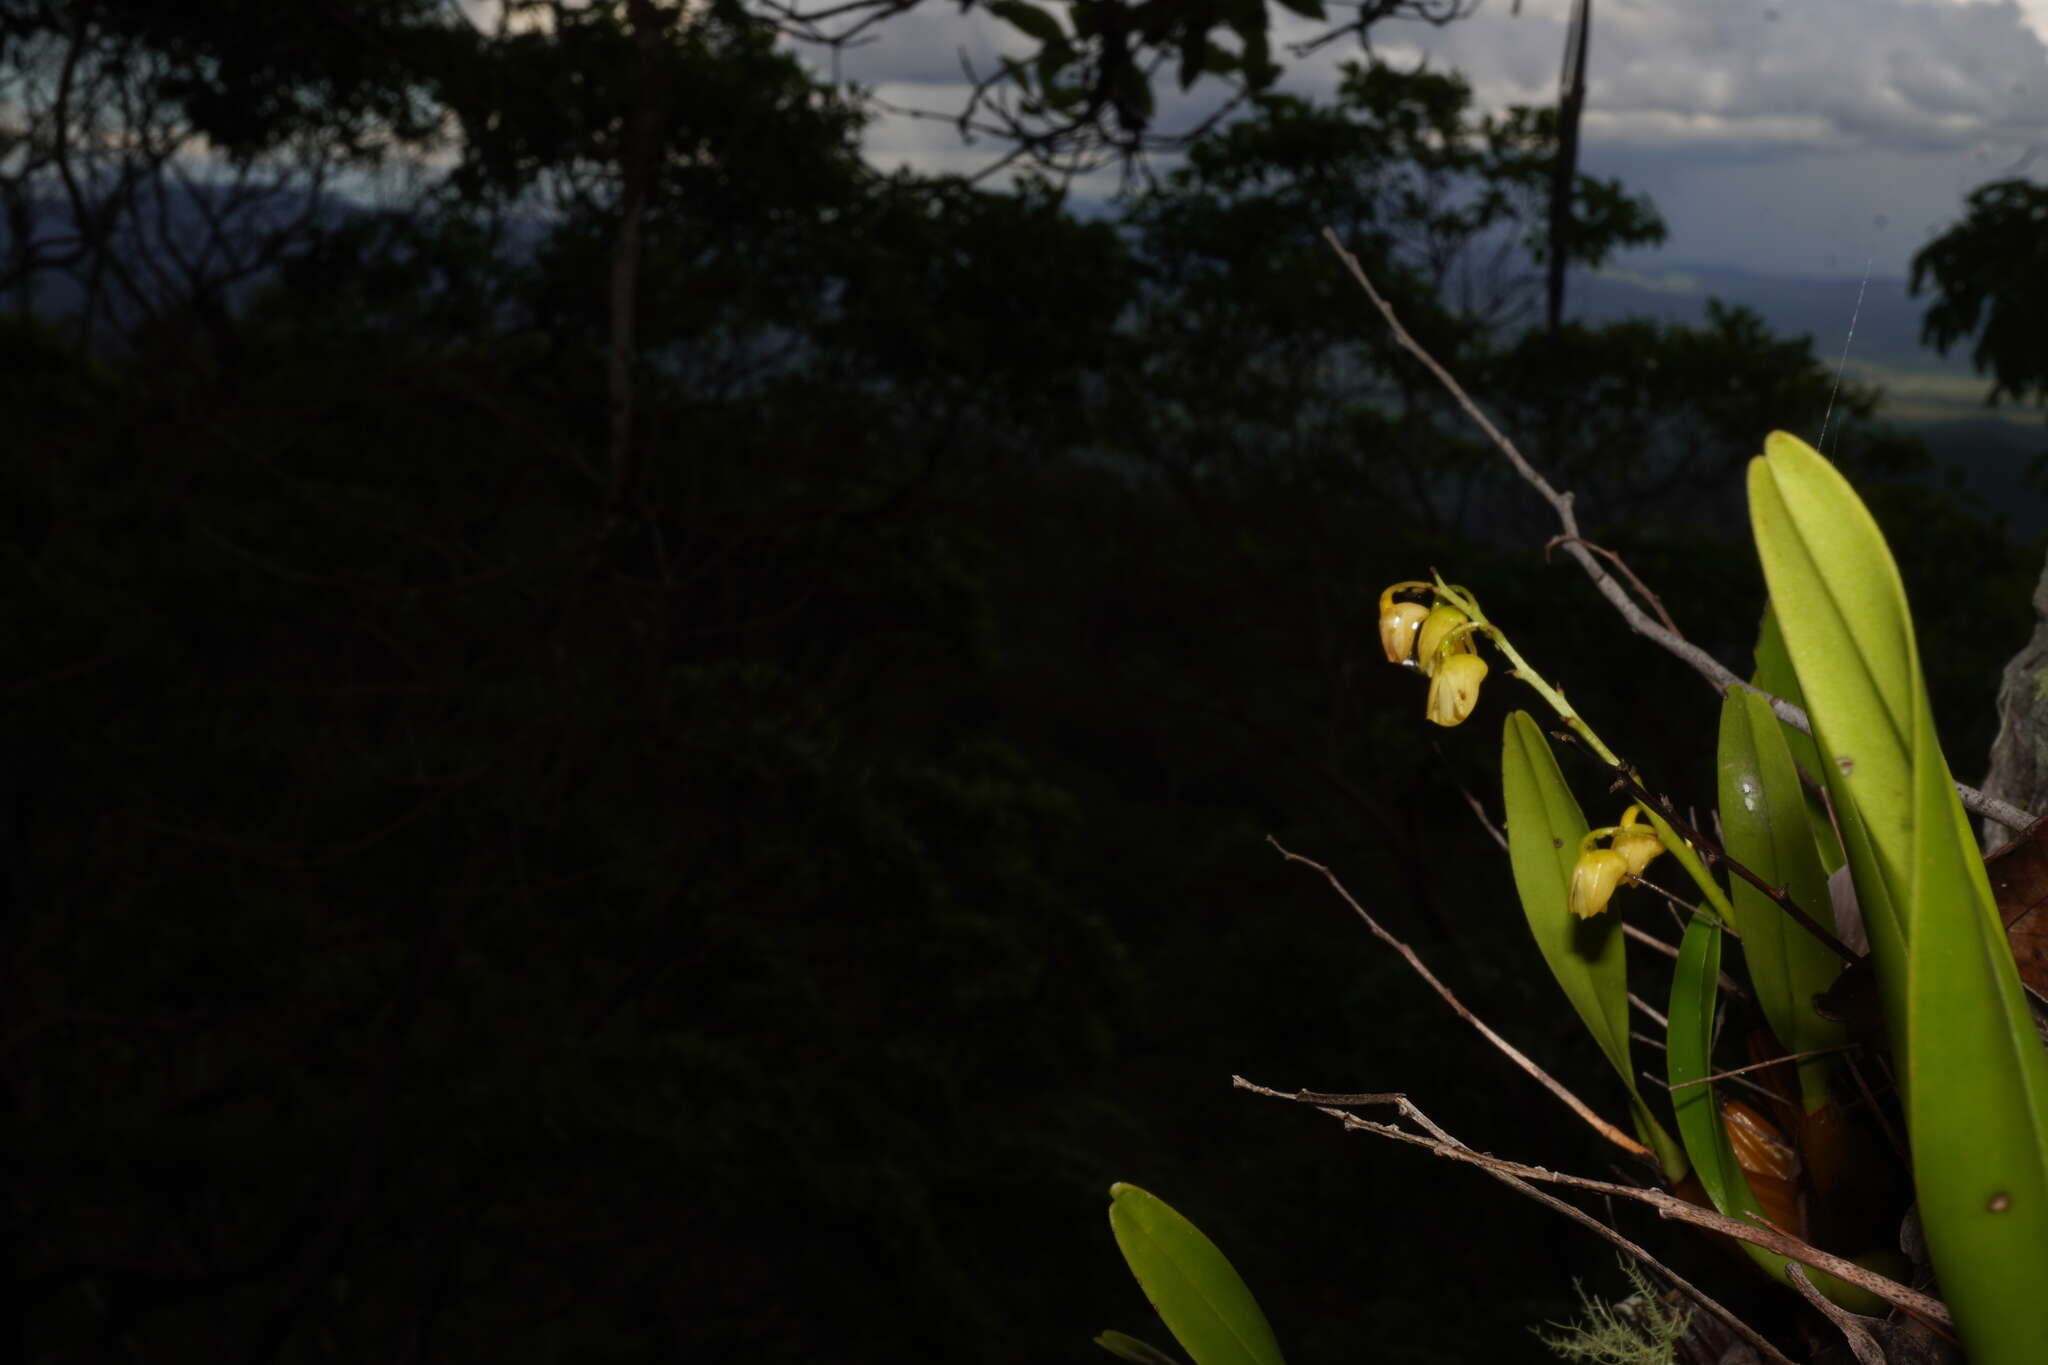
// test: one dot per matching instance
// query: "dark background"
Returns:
(568, 799)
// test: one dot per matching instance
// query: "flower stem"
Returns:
(1520, 667)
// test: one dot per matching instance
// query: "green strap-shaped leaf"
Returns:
(1842, 610)
(1124, 1346)
(1199, 1296)
(1774, 675)
(1977, 1111)
(1688, 1056)
(1765, 822)
(1971, 1069)
(1545, 825)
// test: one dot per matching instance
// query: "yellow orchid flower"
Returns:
(1594, 877)
(1454, 688)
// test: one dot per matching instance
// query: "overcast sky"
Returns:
(1799, 137)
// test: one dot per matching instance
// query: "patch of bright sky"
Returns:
(1782, 136)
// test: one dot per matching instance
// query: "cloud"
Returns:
(1807, 136)
(1750, 78)
(925, 47)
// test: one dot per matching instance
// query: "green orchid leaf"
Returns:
(1774, 675)
(1197, 1293)
(1124, 1346)
(1977, 1108)
(1842, 611)
(1545, 825)
(1768, 829)
(1688, 1056)
(1971, 1070)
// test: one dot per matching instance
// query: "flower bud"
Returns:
(1638, 844)
(1454, 689)
(1398, 624)
(1436, 629)
(1594, 877)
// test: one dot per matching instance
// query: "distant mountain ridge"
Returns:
(1921, 384)
(1939, 397)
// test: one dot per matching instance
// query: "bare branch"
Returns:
(1509, 1050)
(1729, 985)
(1759, 1066)
(1443, 1144)
(1621, 567)
(1718, 675)
(1485, 820)
(1861, 1344)
(1667, 1205)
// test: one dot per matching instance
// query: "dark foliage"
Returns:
(1988, 283)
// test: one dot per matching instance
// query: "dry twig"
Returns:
(1728, 984)
(1670, 1206)
(1443, 1144)
(1509, 1050)
(1759, 1066)
(1861, 1344)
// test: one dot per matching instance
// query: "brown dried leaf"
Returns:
(2019, 879)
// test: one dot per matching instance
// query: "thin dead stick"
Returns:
(1485, 820)
(1662, 1084)
(1647, 1008)
(1651, 941)
(1775, 1061)
(1515, 1182)
(1509, 1050)
(1621, 567)
(1861, 1344)
(1690, 910)
(1703, 663)
(1667, 1205)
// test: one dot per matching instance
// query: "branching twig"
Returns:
(1509, 1050)
(1621, 567)
(1861, 1344)
(1485, 820)
(1443, 1144)
(1703, 663)
(1667, 1205)
(1759, 1066)
(1727, 983)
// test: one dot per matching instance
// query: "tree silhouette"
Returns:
(1988, 284)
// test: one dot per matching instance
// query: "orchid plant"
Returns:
(1850, 836)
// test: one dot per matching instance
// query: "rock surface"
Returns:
(2019, 756)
